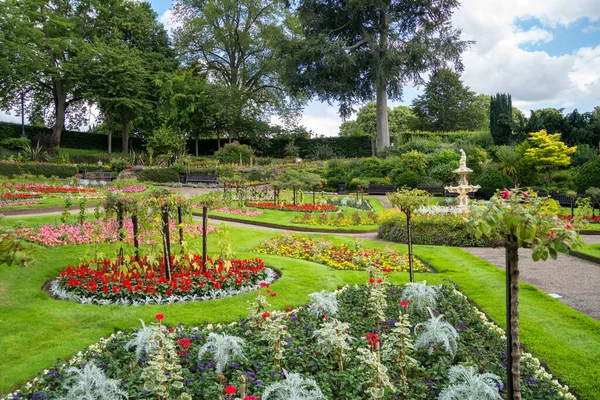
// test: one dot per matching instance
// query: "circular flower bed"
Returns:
(306, 207)
(144, 282)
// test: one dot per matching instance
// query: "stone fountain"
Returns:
(463, 189)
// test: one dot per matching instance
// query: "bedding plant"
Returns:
(337, 219)
(305, 207)
(341, 256)
(371, 345)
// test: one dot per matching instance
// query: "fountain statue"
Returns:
(463, 189)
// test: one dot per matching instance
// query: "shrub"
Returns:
(335, 172)
(234, 153)
(447, 230)
(588, 175)
(407, 178)
(321, 151)
(583, 154)
(491, 180)
(158, 175)
(415, 161)
(15, 143)
(11, 170)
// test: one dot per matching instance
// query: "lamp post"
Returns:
(23, 116)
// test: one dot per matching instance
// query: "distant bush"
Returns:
(158, 175)
(10, 170)
(448, 230)
(234, 153)
(491, 180)
(408, 178)
(588, 175)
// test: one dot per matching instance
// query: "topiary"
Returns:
(491, 180)
(588, 175)
(235, 153)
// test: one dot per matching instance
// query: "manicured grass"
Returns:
(590, 250)
(285, 218)
(35, 330)
(49, 202)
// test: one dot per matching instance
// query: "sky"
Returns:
(545, 53)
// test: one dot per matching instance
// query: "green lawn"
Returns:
(285, 218)
(36, 330)
(590, 250)
(48, 202)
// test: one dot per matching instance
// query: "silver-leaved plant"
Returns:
(144, 342)
(91, 383)
(293, 387)
(334, 337)
(420, 296)
(324, 303)
(224, 349)
(467, 384)
(436, 331)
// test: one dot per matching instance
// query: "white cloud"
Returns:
(169, 21)
(326, 123)
(497, 63)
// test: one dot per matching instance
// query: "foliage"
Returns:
(407, 179)
(436, 230)
(293, 387)
(334, 337)
(436, 331)
(144, 342)
(491, 180)
(335, 256)
(158, 175)
(415, 161)
(167, 142)
(467, 384)
(91, 383)
(13, 169)
(408, 201)
(420, 296)
(509, 162)
(224, 349)
(588, 175)
(324, 303)
(235, 153)
(337, 219)
(447, 105)
(547, 152)
(305, 208)
(501, 118)
(321, 151)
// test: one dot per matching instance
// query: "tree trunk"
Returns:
(110, 129)
(204, 236)
(125, 137)
(383, 134)
(513, 348)
(60, 107)
(196, 140)
(410, 256)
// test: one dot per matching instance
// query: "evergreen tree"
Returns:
(501, 118)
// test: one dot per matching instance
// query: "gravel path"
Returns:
(576, 280)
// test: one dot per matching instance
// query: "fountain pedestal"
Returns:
(463, 189)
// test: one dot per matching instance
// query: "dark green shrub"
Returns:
(371, 166)
(335, 172)
(14, 143)
(408, 178)
(415, 161)
(443, 173)
(234, 153)
(11, 170)
(449, 230)
(563, 180)
(491, 180)
(588, 175)
(158, 175)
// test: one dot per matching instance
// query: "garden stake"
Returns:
(243, 386)
(121, 236)
(180, 221)
(166, 242)
(204, 234)
(136, 243)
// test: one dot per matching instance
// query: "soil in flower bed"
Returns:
(305, 207)
(139, 282)
(100, 231)
(338, 256)
(196, 356)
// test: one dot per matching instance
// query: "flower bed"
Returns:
(339, 219)
(336, 256)
(128, 189)
(19, 196)
(19, 203)
(366, 356)
(305, 207)
(588, 218)
(43, 188)
(236, 211)
(95, 232)
(350, 202)
(144, 282)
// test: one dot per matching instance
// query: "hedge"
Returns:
(9, 169)
(348, 147)
(447, 230)
(158, 175)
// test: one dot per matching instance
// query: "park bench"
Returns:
(435, 190)
(378, 188)
(562, 198)
(97, 175)
(201, 179)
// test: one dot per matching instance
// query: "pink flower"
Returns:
(505, 193)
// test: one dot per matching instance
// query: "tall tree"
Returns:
(448, 105)
(577, 128)
(41, 40)
(349, 128)
(233, 41)
(353, 51)
(547, 152)
(550, 119)
(501, 118)
(595, 126)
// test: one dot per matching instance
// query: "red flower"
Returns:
(569, 227)
(159, 317)
(387, 270)
(264, 284)
(551, 234)
(525, 194)
(265, 314)
(251, 398)
(183, 342)
(372, 338)
(505, 193)
(230, 389)
(404, 303)
(288, 309)
(379, 280)
(371, 280)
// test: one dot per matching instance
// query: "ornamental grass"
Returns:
(342, 257)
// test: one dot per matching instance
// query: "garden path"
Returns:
(576, 280)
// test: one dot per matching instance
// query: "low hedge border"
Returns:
(11, 169)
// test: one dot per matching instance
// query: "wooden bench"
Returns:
(97, 175)
(435, 190)
(377, 188)
(201, 179)
(563, 199)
